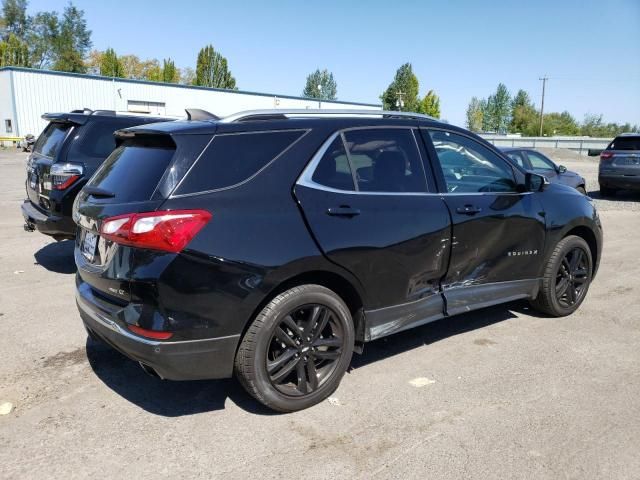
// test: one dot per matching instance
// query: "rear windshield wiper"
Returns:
(98, 192)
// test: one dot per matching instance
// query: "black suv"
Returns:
(65, 155)
(620, 165)
(275, 244)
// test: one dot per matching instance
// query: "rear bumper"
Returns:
(47, 224)
(630, 182)
(179, 360)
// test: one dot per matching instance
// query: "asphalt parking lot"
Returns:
(498, 393)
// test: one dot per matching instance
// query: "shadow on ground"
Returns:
(175, 399)
(57, 257)
(621, 195)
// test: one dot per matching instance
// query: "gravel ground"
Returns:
(498, 393)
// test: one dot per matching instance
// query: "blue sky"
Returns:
(589, 49)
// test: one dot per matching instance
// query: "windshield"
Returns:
(50, 140)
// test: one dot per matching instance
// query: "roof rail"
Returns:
(279, 114)
(198, 114)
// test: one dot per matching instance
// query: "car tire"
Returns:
(566, 278)
(607, 192)
(297, 349)
(582, 190)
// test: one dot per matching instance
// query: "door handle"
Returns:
(468, 210)
(343, 211)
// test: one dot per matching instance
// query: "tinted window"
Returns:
(538, 162)
(133, 171)
(625, 143)
(333, 170)
(233, 158)
(386, 160)
(516, 157)
(468, 166)
(50, 140)
(97, 140)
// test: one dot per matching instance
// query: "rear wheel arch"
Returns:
(331, 280)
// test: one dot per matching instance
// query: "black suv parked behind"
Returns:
(65, 155)
(276, 243)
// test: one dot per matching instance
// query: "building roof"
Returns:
(176, 85)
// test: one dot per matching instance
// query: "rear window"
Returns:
(97, 140)
(625, 143)
(233, 158)
(50, 140)
(132, 172)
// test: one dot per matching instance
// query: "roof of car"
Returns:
(281, 119)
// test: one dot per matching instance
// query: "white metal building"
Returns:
(25, 94)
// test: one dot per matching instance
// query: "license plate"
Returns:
(88, 247)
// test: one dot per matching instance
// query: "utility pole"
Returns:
(399, 101)
(544, 83)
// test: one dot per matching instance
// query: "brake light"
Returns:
(606, 156)
(64, 175)
(155, 334)
(170, 231)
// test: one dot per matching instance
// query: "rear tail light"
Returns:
(170, 231)
(155, 334)
(606, 156)
(63, 175)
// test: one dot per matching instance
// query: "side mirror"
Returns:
(562, 169)
(534, 182)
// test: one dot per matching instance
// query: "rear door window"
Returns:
(97, 140)
(517, 157)
(50, 140)
(625, 143)
(386, 160)
(334, 170)
(233, 158)
(132, 172)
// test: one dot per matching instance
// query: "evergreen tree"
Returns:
(14, 20)
(430, 104)
(402, 90)
(73, 42)
(110, 64)
(170, 74)
(14, 52)
(321, 84)
(212, 70)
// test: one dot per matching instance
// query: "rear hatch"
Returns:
(46, 152)
(126, 183)
(623, 156)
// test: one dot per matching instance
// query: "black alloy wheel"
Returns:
(304, 349)
(566, 278)
(572, 277)
(297, 349)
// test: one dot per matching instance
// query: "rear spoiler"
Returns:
(74, 118)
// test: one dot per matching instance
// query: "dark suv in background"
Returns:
(620, 165)
(274, 244)
(65, 155)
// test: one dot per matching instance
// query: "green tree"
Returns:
(430, 104)
(524, 116)
(170, 74)
(42, 36)
(14, 19)
(212, 70)
(73, 42)
(321, 84)
(151, 70)
(498, 109)
(14, 52)
(559, 124)
(110, 64)
(474, 115)
(402, 90)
